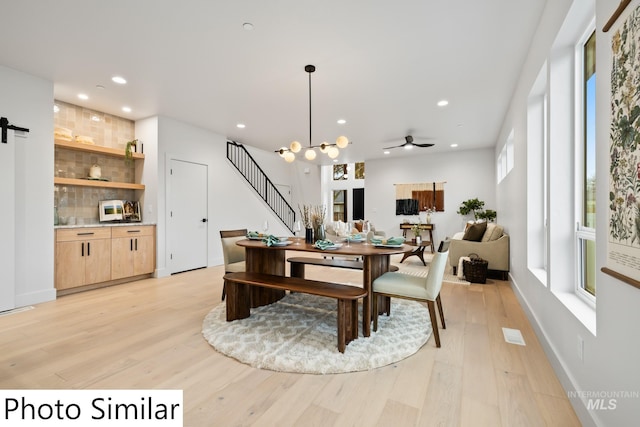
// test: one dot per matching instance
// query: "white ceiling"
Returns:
(381, 65)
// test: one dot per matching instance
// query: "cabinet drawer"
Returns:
(133, 231)
(73, 234)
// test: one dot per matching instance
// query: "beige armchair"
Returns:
(495, 251)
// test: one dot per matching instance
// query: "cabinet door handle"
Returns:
(88, 248)
(88, 233)
(82, 252)
(133, 231)
(130, 244)
(136, 244)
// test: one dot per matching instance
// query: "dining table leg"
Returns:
(260, 260)
(373, 267)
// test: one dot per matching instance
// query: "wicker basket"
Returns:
(475, 270)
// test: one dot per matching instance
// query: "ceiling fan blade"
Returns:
(396, 146)
(423, 145)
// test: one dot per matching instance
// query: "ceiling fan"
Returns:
(408, 144)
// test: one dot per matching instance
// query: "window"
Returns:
(505, 158)
(585, 234)
(340, 205)
(340, 172)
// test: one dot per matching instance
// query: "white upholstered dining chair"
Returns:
(234, 257)
(399, 285)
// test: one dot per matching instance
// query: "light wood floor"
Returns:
(147, 334)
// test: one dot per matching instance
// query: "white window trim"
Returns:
(582, 232)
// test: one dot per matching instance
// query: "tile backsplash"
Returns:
(107, 131)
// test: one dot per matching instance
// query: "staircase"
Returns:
(255, 176)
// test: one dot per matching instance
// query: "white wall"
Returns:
(232, 201)
(611, 355)
(468, 174)
(27, 101)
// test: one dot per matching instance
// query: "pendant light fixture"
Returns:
(331, 150)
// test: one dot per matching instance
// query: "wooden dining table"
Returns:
(260, 258)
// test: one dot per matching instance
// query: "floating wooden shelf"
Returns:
(95, 149)
(95, 183)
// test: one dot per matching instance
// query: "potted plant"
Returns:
(416, 233)
(128, 153)
(476, 207)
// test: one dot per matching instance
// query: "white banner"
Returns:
(117, 408)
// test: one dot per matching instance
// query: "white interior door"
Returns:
(187, 216)
(7, 224)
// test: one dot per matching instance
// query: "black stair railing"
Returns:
(255, 176)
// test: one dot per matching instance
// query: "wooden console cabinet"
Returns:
(90, 257)
(83, 256)
(132, 251)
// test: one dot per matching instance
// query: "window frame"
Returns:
(583, 234)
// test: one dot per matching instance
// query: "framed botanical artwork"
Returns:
(623, 243)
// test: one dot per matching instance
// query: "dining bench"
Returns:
(239, 298)
(298, 263)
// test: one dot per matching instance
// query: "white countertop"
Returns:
(105, 224)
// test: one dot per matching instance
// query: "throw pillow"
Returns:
(488, 234)
(358, 226)
(497, 232)
(475, 232)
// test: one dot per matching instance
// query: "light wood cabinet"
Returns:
(83, 256)
(132, 251)
(102, 256)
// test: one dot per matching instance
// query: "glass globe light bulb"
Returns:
(289, 157)
(333, 152)
(310, 154)
(295, 146)
(342, 142)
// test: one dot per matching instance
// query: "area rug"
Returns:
(298, 334)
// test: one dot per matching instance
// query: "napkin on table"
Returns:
(389, 241)
(253, 234)
(324, 244)
(270, 240)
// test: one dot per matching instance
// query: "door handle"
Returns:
(204, 219)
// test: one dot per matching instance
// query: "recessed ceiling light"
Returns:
(55, 108)
(453, 145)
(126, 109)
(342, 121)
(240, 126)
(248, 26)
(95, 118)
(118, 79)
(442, 103)
(83, 96)
(387, 152)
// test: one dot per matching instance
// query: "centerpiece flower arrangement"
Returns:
(416, 230)
(313, 217)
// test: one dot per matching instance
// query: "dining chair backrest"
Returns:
(369, 236)
(232, 252)
(436, 274)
